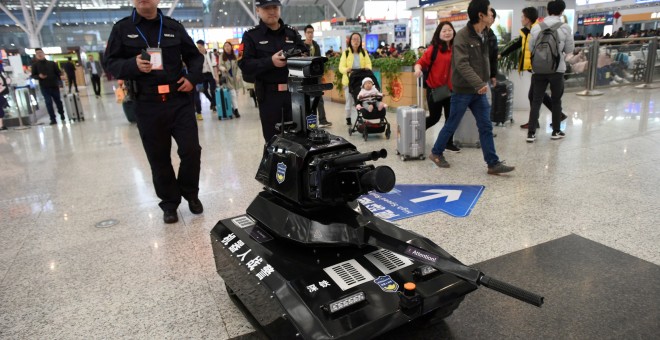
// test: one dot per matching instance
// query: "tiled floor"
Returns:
(62, 277)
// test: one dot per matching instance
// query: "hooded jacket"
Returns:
(564, 34)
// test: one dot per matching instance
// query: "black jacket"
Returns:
(259, 45)
(69, 69)
(50, 69)
(317, 49)
(125, 43)
(517, 43)
(492, 52)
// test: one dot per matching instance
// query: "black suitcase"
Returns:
(501, 109)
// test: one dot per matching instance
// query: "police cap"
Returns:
(262, 3)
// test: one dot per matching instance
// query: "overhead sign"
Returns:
(400, 32)
(596, 19)
(408, 200)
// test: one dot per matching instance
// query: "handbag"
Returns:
(440, 93)
(120, 95)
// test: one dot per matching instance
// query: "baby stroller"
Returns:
(365, 123)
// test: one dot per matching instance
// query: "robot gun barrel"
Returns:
(511, 290)
(360, 157)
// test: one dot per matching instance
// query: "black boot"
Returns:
(236, 113)
(348, 122)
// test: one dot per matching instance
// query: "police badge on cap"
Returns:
(261, 3)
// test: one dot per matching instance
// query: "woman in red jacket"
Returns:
(437, 60)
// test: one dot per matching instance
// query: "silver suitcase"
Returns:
(73, 107)
(411, 129)
(467, 134)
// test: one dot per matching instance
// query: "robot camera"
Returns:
(306, 67)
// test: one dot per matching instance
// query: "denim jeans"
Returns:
(478, 104)
(52, 94)
(539, 85)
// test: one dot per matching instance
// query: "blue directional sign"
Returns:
(408, 200)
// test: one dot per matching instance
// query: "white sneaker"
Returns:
(613, 82)
(625, 81)
(617, 78)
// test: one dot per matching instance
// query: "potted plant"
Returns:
(390, 68)
(510, 61)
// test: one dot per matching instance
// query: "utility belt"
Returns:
(158, 93)
(261, 88)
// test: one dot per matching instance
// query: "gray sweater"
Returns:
(469, 61)
(566, 43)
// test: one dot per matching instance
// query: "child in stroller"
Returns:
(369, 97)
(371, 111)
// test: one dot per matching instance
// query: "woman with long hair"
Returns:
(354, 58)
(229, 73)
(437, 60)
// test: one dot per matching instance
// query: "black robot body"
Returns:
(308, 261)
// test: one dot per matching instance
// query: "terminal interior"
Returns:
(576, 221)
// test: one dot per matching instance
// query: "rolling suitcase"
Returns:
(501, 109)
(223, 103)
(411, 129)
(467, 134)
(74, 107)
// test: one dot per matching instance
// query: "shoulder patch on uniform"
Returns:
(251, 28)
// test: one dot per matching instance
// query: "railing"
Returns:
(611, 62)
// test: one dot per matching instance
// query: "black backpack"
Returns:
(425, 74)
(545, 55)
(4, 88)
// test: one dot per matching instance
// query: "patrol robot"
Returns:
(308, 261)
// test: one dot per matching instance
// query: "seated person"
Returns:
(369, 96)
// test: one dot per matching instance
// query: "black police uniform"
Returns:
(259, 45)
(161, 116)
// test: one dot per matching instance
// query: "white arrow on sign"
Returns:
(452, 195)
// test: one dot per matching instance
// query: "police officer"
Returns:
(163, 100)
(263, 59)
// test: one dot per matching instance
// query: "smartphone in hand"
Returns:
(145, 55)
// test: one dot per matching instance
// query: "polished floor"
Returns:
(62, 277)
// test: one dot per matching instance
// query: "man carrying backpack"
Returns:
(549, 41)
